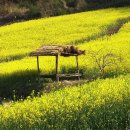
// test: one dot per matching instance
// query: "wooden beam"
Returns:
(38, 68)
(77, 63)
(70, 75)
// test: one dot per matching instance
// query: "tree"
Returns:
(104, 58)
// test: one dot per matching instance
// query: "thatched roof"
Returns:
(55, 50)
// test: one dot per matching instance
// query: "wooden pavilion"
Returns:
(56, 51)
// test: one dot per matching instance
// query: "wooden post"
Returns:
(77, 67)
(38, 68)
(57, 77)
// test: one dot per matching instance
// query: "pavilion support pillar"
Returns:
(77, 63)
(38, 68)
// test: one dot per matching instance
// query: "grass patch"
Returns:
(21, 38)
(102, 104)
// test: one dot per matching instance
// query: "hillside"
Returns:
(85, 30)
(21, 10)
(100, 103)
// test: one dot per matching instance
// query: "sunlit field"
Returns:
(103, 104)
(19, 39)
